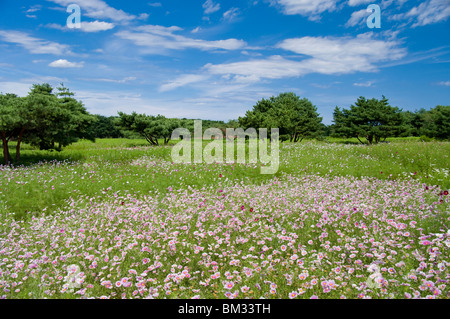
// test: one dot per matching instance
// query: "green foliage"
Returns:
(149, 127)
(55, 118)
(436, 122)
(11, 121)
(371, 119)
(42, 119)
(295, 117)
(104, 127)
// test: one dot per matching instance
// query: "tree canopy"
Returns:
(149, 127)
(371, 119)
(42, 118)
(295, 117)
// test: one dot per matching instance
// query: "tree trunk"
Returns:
(6, 154)
(166, 141)
(19, 141)
(359, 140)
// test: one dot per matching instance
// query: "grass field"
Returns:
(117, 218)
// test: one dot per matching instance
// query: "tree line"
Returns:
(52, 119)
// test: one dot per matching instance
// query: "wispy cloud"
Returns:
(325, 55)
(210, 7)
(34, 8)
(354, 3)
(120, 81)
(95, 26)
(357, 18)
(443, 83)
(158, 39)
(428, 12)
(334, 55)
(364, 84)
(98, 9)
(34, 45)
(307, 8)
(231, 15)
(182, 80)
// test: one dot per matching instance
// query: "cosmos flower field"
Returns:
(139, 226)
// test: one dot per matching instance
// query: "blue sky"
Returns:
(214, 59)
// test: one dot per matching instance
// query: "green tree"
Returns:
(149, 127)
(435, 123)
(75, 119)
(55, 117)
(44, 114)
(371, 119)
(295, 117)
(11, 122)
(441, 116)
(104, 127)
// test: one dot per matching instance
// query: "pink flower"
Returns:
(228, 285)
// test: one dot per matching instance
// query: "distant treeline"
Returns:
(52, 120)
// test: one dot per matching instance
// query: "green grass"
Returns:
(48, 179)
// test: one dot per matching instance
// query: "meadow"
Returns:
(118, 219)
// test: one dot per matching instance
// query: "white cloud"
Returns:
(94, 26)
(98, 9)
(308, 8)
(428, 12)
(354, 3)
(211, 7)
(344, 55)
(431, 11)
(358, 17)
(34, 8)
(364, 84)
(121, 81)
(158, 39)
(34, 45)
(231, 14)
(274, 67)
(444, 83)
(325, 55)
(62, 63)
(182, 80)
